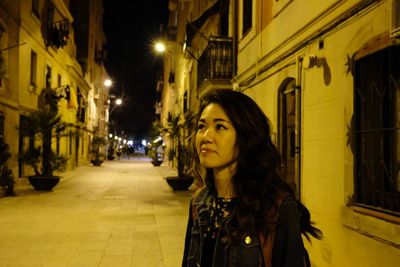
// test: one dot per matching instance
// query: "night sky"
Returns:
(131, 28)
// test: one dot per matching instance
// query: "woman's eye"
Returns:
(220, 127)
(200, 126)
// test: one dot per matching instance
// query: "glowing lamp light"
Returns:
(108, 83)
(160, 47)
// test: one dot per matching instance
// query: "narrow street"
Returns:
(119, 214)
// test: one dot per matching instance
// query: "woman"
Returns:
(246, 214)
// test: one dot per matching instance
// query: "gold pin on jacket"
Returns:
(247, 240)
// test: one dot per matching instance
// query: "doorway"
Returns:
(289, 132)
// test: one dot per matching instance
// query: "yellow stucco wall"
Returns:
(350, 238)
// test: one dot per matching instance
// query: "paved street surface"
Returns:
(120, 214)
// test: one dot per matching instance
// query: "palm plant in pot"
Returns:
(156, 151)
(97, 146)
(180, 151)
(41, 126)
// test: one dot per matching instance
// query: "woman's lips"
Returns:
(205, 150)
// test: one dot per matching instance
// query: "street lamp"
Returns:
(160, 47)
(108, 83)
(117, 103)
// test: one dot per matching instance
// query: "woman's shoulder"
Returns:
(288, 199)
(288, 207)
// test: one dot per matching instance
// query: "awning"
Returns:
(194, 26)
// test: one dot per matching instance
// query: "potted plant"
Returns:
(41, 126)
(98, 143)
(110, 151)
(6, 178)
(180, 152)
(156, 151)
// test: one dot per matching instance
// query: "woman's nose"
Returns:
(207, 136)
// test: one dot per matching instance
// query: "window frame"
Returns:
(3, 54)
(2, 124)
(48, 76)
(375, 123)
(35, 8)
(33, 70)
(247, 17)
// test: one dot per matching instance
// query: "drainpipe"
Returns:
(297, 143)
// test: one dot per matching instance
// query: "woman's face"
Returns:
(215, 138)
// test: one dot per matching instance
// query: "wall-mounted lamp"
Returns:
(310, 61)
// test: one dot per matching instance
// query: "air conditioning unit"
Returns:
(395, 19)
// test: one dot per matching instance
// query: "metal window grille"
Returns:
(377, 130)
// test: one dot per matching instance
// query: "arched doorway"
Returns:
(289, 132)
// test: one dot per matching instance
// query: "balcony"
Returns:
(215, 64)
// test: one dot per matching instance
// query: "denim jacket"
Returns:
(288, 249)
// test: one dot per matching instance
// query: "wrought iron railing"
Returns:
(216, 62)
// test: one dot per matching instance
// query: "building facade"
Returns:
(58, 45)
(326, 73)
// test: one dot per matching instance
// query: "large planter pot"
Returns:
(156, 162)
(44, 183)
(179, 183)
(96, 162)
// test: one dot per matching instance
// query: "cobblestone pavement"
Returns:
(119, 214)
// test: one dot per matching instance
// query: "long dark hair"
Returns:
(257, 182)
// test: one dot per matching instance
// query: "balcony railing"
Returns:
(216, 62)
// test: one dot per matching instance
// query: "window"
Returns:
(3, 43)
(185, 102)
(377, 130)
(247, 16)
(1, 124)
(48, 76)
(33, 73)
(35, 8)
(2, 70)
(287, 134)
